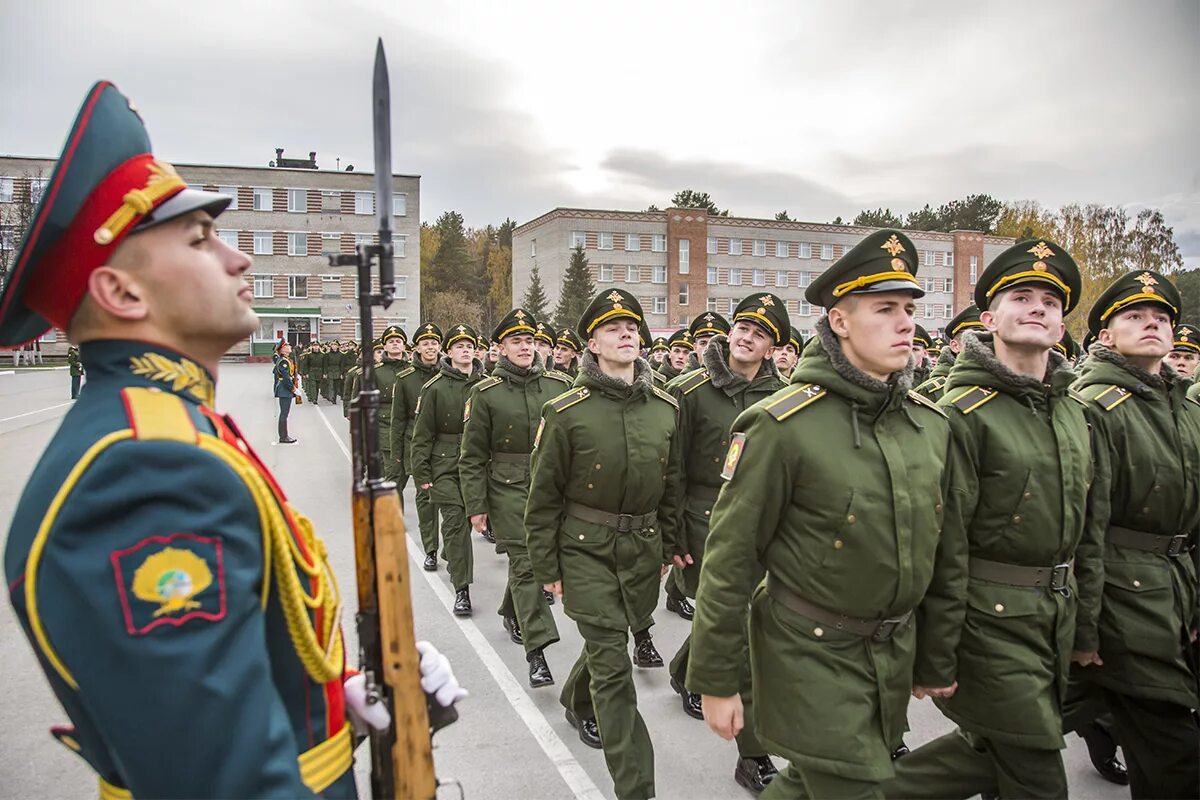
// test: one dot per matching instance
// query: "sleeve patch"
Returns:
(537, 439)
(169, 580)
(737, 446)
(467, 411)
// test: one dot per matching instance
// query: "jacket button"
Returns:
(589, 486)
(1017, 518)
(597, 466)
(999, 608)
(707, 513)
(715, 460)
(1137, 584)
(1157, 488)
(938, 508)
(818, 632)
(581, 537)
(838, 544)
(850, 518)
(1028, 495)
(1146, 510)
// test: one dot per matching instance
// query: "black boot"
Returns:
(1102, 750)
(283, 433)
(754, 773)
(900, 752)
(514, 630)
(681, 606)
(645, 654)
(539, 670)
(430, 564)
(462, 602)
(689, 700)
(589, 732)
(549, 597)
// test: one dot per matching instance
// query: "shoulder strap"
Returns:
(431, 381)
(793, 400)
(568, 399)
(1077, 397)
(972, 398)
(661, 395)
(922, 400)
(402, 374)
(488, 383)
(694, 381)
(558, 376)
(1108, 396)
(933, 384)
(157, 415)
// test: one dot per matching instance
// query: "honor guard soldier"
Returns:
(966, 320)
(1136, 644)
(787, 355)
(544, 341)
(427, 345)
(835, 485)
(737, 373)
(1022, 466)
(601, 525)
(658, 351)
(680, 349)
(921, 365)
(436, 440)
(1185, 355)
(567, 350)
(703, 328)
(502, 416)
(182, 609)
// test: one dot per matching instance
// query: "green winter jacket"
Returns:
(405, 394)
(437, 431)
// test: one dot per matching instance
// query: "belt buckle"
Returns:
(885, 628)
(1059, 579)
(1177, 544)
(624, 523)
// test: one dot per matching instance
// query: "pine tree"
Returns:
(535, 300)
(578, 289)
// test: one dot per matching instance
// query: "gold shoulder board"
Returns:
(402, 374)
(488, 383)
(661, 395)
(921, 399)
(565, 401)
(694, 381)
(793, 400)
(1109, 397)
(558, 376)
(431, 381)
(972, 398)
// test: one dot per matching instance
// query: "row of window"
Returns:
(329, 328)
(780, 279)
(262, 198)
(331, 286)
(262, 243)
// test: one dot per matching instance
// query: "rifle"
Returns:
(402, 756)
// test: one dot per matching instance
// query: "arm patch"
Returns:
(737, 446)
(793, 400)
(971, 399)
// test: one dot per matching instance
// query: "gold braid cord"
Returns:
(322, 660)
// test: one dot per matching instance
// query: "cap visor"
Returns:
(891, 286)
(185, 202)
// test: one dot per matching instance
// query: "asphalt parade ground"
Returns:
(510, 741)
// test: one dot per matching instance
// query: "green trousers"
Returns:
(793, 784)
(456, 532)
(310, 389)
(318, 389)
(609, 686)
(962, 764)
(524, 595)
(1161, 742)
(748, 743)
(427, 521)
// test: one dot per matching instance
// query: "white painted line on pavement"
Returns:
(8, 372)
(39, 411)
(556, 750)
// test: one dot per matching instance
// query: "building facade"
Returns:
(285, 219)
(683, 261)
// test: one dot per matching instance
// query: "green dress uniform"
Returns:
(569, 338)
(1145, 509)
(339, 361)
(934, 386)
(710, 400)
(386, 376)
(75, 366)
(921, 373)
(835, 485)
(182, 610)
(601, 518)
(680, 338)
(302, 359)
(1022, 457)
(405, 396)
(316, 370)
(502, 416)
(436, 442)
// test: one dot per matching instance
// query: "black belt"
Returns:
(511, 458)
(1161, 543)
(452, 438)
(1054, 578)
(706, 493)
(622, 523)
(878, 630)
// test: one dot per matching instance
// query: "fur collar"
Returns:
(1166, 374)
(982, 349)
(642, 382)
(947, 356)
(532, 371)
(901, 379)
(446, 366)
(716, 361)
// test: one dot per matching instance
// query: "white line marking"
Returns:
(556, 750)
(8, 372)
(39, 411)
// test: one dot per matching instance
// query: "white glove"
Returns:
(362, 713)
(437, 679)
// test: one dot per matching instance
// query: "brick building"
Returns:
(284, 218)
(683, 261)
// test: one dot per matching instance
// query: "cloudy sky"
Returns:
(822, 107)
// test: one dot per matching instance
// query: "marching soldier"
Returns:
(1135, 645)
(502, 416)
(835, 486)
(544, 341)
(1185, 355)
(966, 320)
(302, 358)
(390, 366)
(680, 348)
(316, 371)
(76, 368)
(737, 373)
(1022, 466)
(601, 525)
(436, 441)
(338, 362)
(921, 365)
(1068, 348)
(354, 377)
(567, 350)
(787, 355)
(703, 328)
(427, 344)
(183, 611)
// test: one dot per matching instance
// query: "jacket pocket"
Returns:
(508, 473)
(1138, 612)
